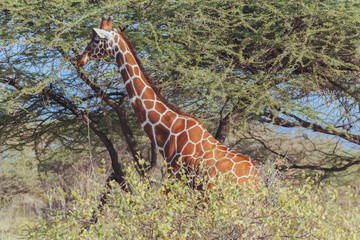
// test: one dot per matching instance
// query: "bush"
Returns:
(276, 210)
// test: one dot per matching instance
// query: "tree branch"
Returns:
(66, 103)
(308, 166)
(309, 125)
(121, 100)
(224, 123)
(121, 113)
(325, 169)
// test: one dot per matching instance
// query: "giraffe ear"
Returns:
(102, 33)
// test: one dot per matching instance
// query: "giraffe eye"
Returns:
(96, 39)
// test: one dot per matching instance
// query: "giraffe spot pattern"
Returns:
(136, 70)
(168, 118)
(149, 104)
(140, 111)
(188, 150)
(195, 134)
(178, 125)
(149, 131)
(170, 147)
(182, 140)
(153, 117)
(149, 95)
(138, 85)
(129, 69)
(161, 134)
(160, 107)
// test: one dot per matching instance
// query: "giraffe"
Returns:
(180, 138)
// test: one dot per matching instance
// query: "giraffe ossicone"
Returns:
(179, 137)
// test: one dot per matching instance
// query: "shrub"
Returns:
(276, 210)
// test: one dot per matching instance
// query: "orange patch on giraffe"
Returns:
(195, 134)
(121, 45)
(219, 154)
(168, 118)
(182, 140)
(161, 134)
(130, 59)
(212, 172)
(138, 85)
(137, 70)
(148, 94)
(160, 107)
(198, 150)
(212, 140)
(209, 154)
(210, 162)
(130, 70)
(206, 134)
(149, 104)
(222, 147)
(153, 117)
(190, 123)
(116, 38)
(139, 110)
(188, 149)
(224, 165)
(178, 125)
(230, 156)
(241, 169)
(239, 157)
(170, 147)
(205, 145)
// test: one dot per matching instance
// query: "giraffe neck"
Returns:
(181, 138)
(154, 113)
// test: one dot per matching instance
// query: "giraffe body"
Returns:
(180, 138)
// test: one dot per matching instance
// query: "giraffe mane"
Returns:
(151, 83)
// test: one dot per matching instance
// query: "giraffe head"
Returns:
(99, 46)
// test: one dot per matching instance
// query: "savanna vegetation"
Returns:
(275, 80)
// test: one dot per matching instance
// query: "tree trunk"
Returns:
(224, 124)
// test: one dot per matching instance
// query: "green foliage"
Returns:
(279, 62)
(263, 54)
(277, 211)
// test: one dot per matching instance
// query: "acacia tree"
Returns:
(37, 70)
(291, 64)
(240, 66)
